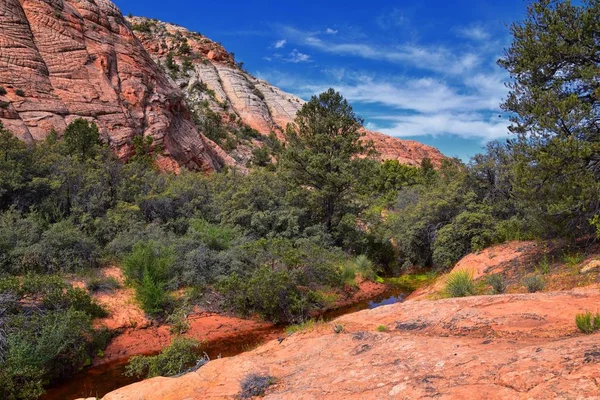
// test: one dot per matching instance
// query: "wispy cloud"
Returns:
(473, 32)
(330, 31)
(280, 44)
(296, 57)
(416, 106)
(437, 59)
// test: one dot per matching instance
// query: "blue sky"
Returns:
(416, 70)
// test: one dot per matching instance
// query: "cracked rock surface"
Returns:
(515, 346)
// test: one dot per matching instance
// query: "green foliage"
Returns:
(382, 328)
(306, 326)
(145, 26)
(215, 237)
(554, 100)
(46, 333)
(171, 65)
(573, 259)
(588, 322)
(255, 385)
(82, 139)
(173, 360)
(365, 267)
(178, 321)
(273, 294)
(43, 347)
(20, 92)
(321, 156)
(147, 269)
(469, 231)
(534, 283)
(3, 91)
(497, 283)
(460, 284)
(544, 265)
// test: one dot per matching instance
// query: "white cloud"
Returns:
(468, 125)
(416, 106)
(296, 57)
(432, 58)
(330, 31)
(280, 43)
(473, 32)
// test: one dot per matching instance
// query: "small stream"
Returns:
(98, 381)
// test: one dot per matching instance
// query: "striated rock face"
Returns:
(522, 346)
(210, 78)
(64, 59)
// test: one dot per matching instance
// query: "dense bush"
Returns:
(147, 269)
(181, 354)
(48, 333)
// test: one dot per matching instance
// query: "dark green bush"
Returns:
(497, 283)
(42, 347)
(534, 283)
(20, 92)
(2, 91)
(147, 270)
(181, 354)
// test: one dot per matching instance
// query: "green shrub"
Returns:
(255, 385)
(273, 294)
(20, 93)
(382, 328)
(534, 283)
(43, 347)
(215, 237)
(178, 321)
(348, 273)
(180, 355)
(573, 259)
(460, 284)
(469, 231)
(585, 322)
(497, 283)
(365, 267)
(544, 265)
(3, 91)
(147, 269)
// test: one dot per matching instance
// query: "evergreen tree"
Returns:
(326, 156)
(554, 62)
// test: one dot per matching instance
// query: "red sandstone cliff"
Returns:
(64, 59)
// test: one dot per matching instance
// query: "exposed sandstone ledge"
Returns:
(521, 346)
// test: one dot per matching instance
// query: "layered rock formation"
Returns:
(64, 59)
(209, 76)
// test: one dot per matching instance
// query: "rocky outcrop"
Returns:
(210, 78)
(517, 346)
(64, 59)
